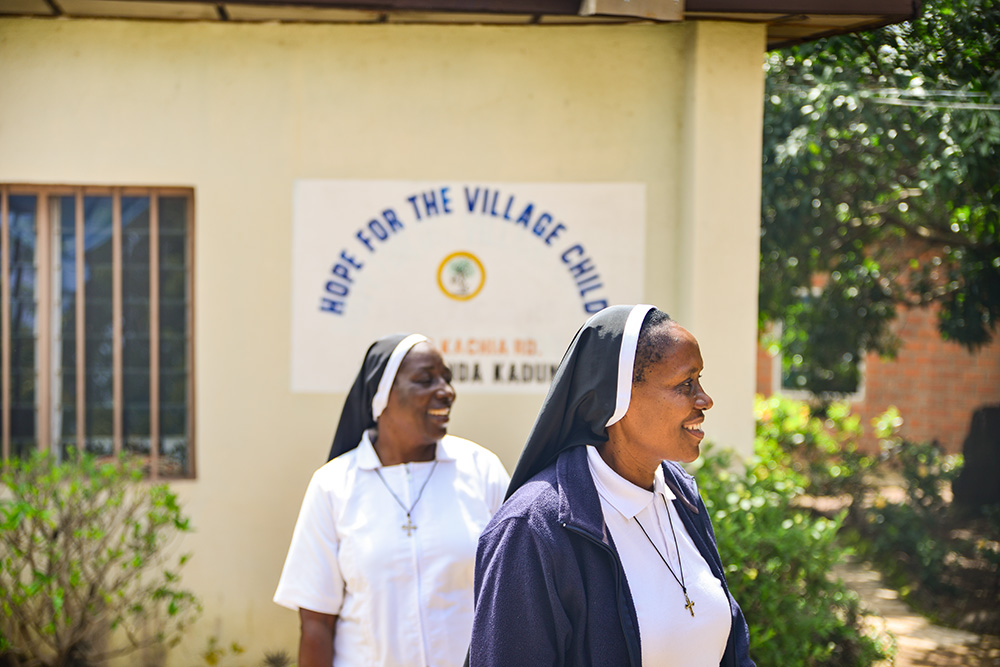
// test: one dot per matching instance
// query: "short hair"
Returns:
(654, 341)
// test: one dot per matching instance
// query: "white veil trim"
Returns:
(626, 359)
(381, 397)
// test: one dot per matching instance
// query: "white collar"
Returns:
(620, 493)
(368, 460)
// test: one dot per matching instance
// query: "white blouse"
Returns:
(668, 634)
(401, 600)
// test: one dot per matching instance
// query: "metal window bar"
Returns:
(43, 299)
(81, 322)
(117, 362)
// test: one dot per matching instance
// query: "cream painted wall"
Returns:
(719, 239)
(239, 111)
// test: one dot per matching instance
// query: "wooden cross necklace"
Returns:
(409, 527)
(689, 605)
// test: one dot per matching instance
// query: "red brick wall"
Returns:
(936, 385)
(764, 370)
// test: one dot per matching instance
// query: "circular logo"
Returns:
(461, 276)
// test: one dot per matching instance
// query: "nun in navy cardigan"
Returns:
(549, 583)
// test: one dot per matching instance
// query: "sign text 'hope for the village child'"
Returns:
(500, 275)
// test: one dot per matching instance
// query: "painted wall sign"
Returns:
(500, 275)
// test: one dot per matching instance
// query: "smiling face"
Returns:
(419, 404)
(666, 410)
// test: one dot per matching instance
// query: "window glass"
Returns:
(99, 316)
(835, 376)
(174, 313)
(796, 375)
(64, 353)
(22, 220)
(135, 324)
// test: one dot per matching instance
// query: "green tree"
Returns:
(881, 187)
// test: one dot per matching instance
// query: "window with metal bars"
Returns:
(96, 323)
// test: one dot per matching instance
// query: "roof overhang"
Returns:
(787, 22)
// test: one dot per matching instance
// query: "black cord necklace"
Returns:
(689, 604)
(408, 526)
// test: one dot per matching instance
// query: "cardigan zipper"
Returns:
(618, 568)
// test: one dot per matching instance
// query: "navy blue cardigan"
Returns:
(550, 588)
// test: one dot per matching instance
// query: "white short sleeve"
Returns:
(311, 578)
(497, 481)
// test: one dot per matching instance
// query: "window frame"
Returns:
(777, 376)
(44, 413)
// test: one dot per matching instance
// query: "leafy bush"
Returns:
(926, 471)
(903, 538)
(217, 653)
(942, 562)
(278, 659)
(989, 550)
(83, 562)
(918, 542)
(778, 563)
(819, 443)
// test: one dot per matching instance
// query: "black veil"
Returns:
(358, 414)
(590, 389)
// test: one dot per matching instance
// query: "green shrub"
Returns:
(909, 540)
(217, 653)
(819, 443)
(778, 563)
(925, 469)
(943, 563)
(989, 550)
(84, 562)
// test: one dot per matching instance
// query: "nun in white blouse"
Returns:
(380, 566)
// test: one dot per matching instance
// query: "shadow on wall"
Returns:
(976, 485)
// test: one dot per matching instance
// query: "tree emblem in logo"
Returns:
(461, 276)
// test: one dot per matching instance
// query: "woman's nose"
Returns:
(444, 389)
(703, 400)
